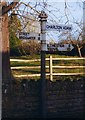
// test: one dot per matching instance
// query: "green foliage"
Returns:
(14, 41)
(14, 26)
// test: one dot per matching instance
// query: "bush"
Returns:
(15, 51)
(30, 47)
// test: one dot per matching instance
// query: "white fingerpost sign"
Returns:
(56, 27)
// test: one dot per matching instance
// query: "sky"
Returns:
(57, 14)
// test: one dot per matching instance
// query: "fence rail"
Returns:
(54, 74)
(34, 67)
(23, 60)
(51, 74)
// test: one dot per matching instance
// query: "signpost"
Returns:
(43, 19)
(46, 27)
(30, 35)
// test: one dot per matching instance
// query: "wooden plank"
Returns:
(68, 74)
(68, 66)
(23, 60)
(63, 74)
(25, 67)
(31, 75)
(34, 67)
(37, 60)
(83, 58)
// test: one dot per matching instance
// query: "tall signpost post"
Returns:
(46, 27)
(43, 19)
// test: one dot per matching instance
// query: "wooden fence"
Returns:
(51, 74)
(65, 67)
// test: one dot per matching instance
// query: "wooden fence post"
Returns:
(51, 71)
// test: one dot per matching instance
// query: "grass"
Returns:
(68, 70)
(13, 64)
(37, 71)
(29, 57)
(26, 71)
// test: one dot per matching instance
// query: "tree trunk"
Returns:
(6, 71)
(79, 51)
(5, 50)
(6, 74)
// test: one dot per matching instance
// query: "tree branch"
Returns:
(6, 9)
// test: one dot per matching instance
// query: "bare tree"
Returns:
(78, 44)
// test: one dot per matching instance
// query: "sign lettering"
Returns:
(50, 27)
(26, 35)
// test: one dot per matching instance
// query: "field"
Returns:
(33, 67)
